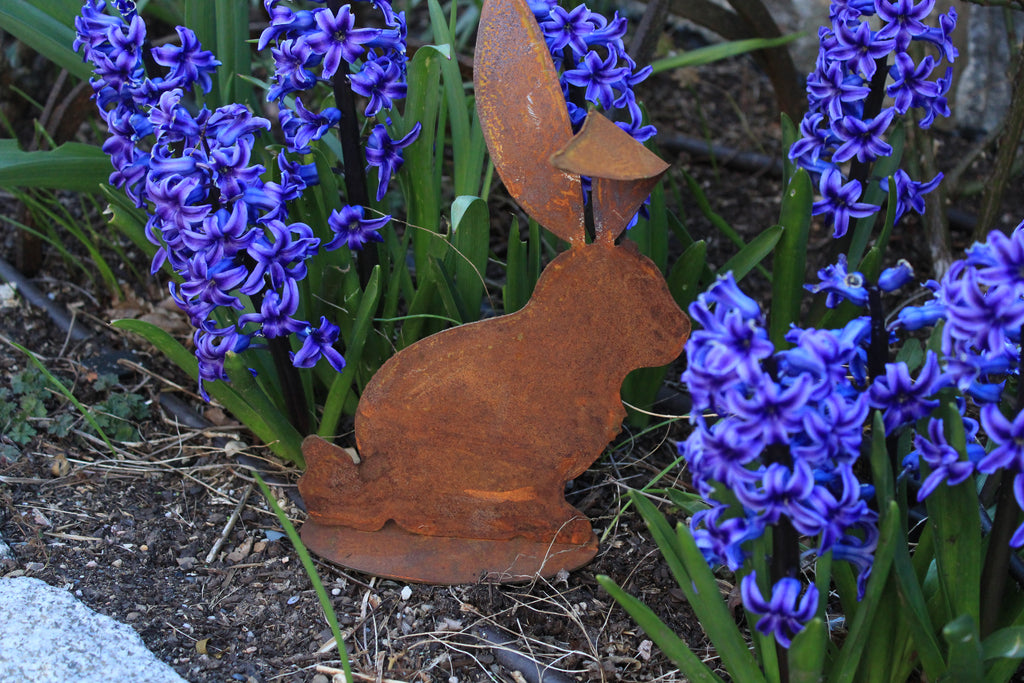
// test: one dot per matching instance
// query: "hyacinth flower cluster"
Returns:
(858, 66)
(980, 303)
(214, 213)
(589, 54)
(321, 45)
(777, 434)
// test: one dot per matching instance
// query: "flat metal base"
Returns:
(394, 553)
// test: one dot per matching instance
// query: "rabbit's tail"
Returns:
(331, 481)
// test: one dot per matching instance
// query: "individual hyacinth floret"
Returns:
(214, 215)
(857, 65)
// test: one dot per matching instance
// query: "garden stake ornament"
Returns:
(466, 439)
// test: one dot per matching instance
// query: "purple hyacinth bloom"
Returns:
(832, 87)
(842, 506)
(786, 612)
(770, 411)
(987, 319)
(319, 343)
(911, 86)
(840, 284)
(221, 235)
(599, 76)
(896, 277)
(815, 139)
(903, 20)
(276, 311)
(382, 81)
(729, 346)
(720, 539)
(1000, 259)
(840, 201)
(189, 63)
(943, 460)
(209, 286)
(863, 139)
(941, 35)
(211, 349)
(385, 154)
(353, 229)
(910, 193)
(902, 399)
(785, 492)
(292, 62)
(337, 39)
(1008, 437)
(918, 317)
(831, 431)
(233, 174)
(859, 549)
(302, 126)
(282, 259)
(284, 22)
(570, 28)
(720, 455)
(860, 47)
(234, 124)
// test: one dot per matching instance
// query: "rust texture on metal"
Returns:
(466, 439)
(623, 172)
(524, 120)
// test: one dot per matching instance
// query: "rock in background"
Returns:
(46, 635)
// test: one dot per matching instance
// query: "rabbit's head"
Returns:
(526, 125)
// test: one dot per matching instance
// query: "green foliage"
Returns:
(38, 401)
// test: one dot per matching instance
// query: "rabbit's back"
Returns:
(544, 380)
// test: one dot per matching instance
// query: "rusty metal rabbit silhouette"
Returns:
(467, 438)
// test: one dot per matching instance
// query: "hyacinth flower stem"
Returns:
(291, 384)
(995, 573)
(785, 562)
(861, 170)
(878, 356)
(288, 375)
(356, 191)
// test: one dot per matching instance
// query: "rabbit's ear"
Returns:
(624, 172)
(524, 118)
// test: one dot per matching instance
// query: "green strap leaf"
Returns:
(954, 512)
(45, 26)
(700, 587)
(750, 256)
(1005, 643)
(965, 651)
(470, 242)
(72, 166)
(790, 257)
(845, 666)
(669, 643)
(340, 389)
(720, 51)
(685, 276)
(807, 652)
